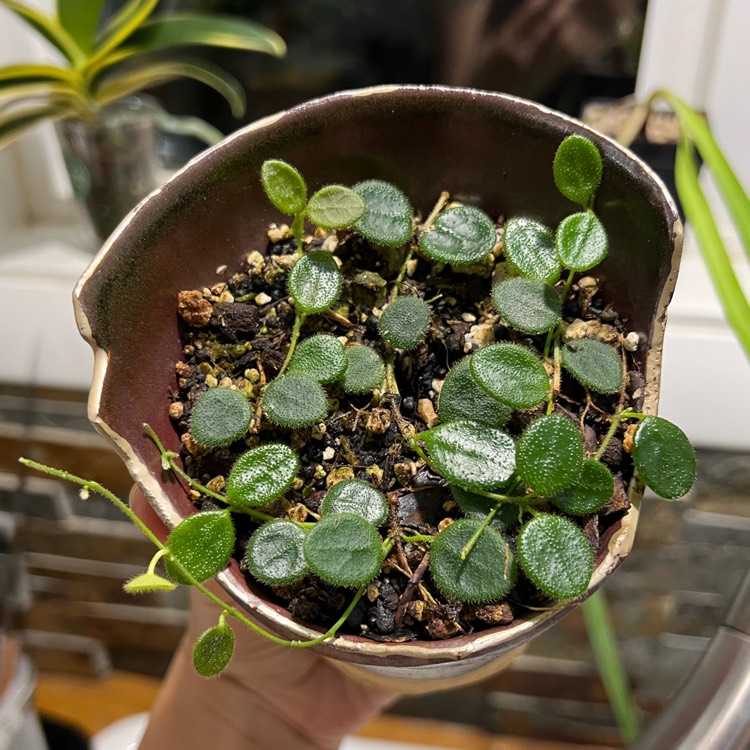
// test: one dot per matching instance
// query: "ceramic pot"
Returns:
(488, 148)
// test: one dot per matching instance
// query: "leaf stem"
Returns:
(155, 559)
(475, 538)
(617, 419)
(409, 538)
(298, 229)
(396, 288)
(567, 287)
(299, 319)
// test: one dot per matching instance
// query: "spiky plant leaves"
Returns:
(577, 169)
(529, 247)
(295, 401)
(202, 544)
(335, 207)
(581, 241)
(365, 369)
(314, 282)
(550, 454)
(590, 493)
(387, 219)
(357, 497)
(459, 236)
(471, 454)
(275, 553)
(528, 305)
(664, 458)
(320, 357)
(479, 506)
(461, 398)
(512, 374)
(148, 582)
(555, 554)
(262, 474)
(593, 363)
(220, 416)
(213, 650)
(344, 549)
(484, 574)
(403, 324)
(284, 186)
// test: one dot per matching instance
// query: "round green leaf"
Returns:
(335, 207)
(486, 573)
(459, 236)
(479, 506)
(511, 374)
(284, 186)
(581, 241)
(527, 305)
(529, 247)
(471, 454)
(357, 497)
(590, 493)
(202, 544)
(344, 549)
(403, 324)
(577, 169)
(314, 282)
(555, 554)
(593, 363)
(295, 401)
(262, 474)
(213, 650)
(388, 214)
(275, 553)
(320, 357)
(664, 458)
(461, 398)
(220, 416)
(364, 369)
(550, 454)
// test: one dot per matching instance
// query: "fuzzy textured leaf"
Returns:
(314, 282)
(202, 544)
(512, 374)
(577, 169)
(488, 571)
(320, 357)
(593, 363)
(556, 556)
(364, 369)
(284, 186)
(335, 207)
(387, 219)
(262, 474)
(147, 582)
(664, 458)
(527, 305)
(344, 549)
(220, 416)
(213, 650)
(459, 236)
(478, 506)
(581, 241)
(295, 401)
(357, 497)
(275, 553)
(471, 454)
(529, 247)
(403, 324)
(550, 454)
(461, 398)
(590, 493)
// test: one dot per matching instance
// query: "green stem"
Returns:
(298, 321)
(298, 229)
(155, 559)
(416, 538)
(475, 538)
(567, 287)
(390, 373)
(396, 288)
(604, 645)
(615, 423)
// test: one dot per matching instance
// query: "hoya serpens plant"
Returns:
(519, 494)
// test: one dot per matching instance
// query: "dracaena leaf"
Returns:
(80, 18)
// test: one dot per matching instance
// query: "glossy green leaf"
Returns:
(529, 247)
(132, 15)
(80, 18)
(593, 363)
(387, 219)
(404, 323)
(459, 236)
(528, 305)
(577, 169)
(471, 454)
(462, 398)
(365, 369)
(550, 454)
(581, 241)
(295, 401)
(202, 544)
(315, 282)
(664, 458)
(555, 554)
(485, 574)
(284, 186)
(344, 549)
(357, 497)
(590, 493)
(473, 505)
(335, 207)
(262, 474)
(213, 650)
(275, 553)
(320, 357)
(511, 374)
(148, 582)
(220, 416)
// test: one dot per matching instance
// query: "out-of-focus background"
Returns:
(100, 653)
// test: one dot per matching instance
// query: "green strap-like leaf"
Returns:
(213, 650)
(365, 369)
(335, 207)
(577, 169)
(462, 398)
(62, 93)
(314, 282)
(404, 322)
(220, 416)
(581, 241)
(528, 305)
(129, 18)
(320, 357)
(14, 74)
(295, 401)
(590, 493)
(80, 18)
(262, 474)
(529, 247)
(593, 363)
(284, 186)
(275, 553)
(459, 236)
(388, 214)
(358, 497)
(16, 124)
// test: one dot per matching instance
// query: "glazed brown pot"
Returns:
(492, 150)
